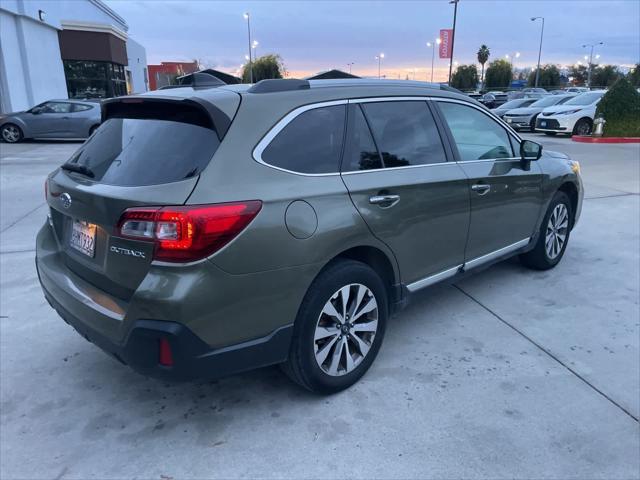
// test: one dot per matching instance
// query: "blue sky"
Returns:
(319, 35)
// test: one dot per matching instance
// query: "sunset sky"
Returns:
(319, 35)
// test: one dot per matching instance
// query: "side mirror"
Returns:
(530, 150)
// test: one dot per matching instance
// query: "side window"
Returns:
(360, 150)
(81, 108)
(310, 143)
(56, 107)
(477, 136)
(405, 133)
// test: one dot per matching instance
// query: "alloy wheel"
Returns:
(557, 229)
(584, 129)
(10, 134)
(346, 329)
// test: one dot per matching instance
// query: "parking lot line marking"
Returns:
(549, 353)
(21, 218)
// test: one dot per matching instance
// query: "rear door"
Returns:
(412, 198)
(147, 153)
(505, 191)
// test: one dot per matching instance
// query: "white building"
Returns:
(65, 49)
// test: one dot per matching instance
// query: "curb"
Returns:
(587, 139)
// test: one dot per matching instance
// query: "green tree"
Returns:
(578, 74)
(620, 107)
(605, 76)
(465, 77)
(483, 56)
(549, 77)
(264, 68)
(634, 76)
(499, 75)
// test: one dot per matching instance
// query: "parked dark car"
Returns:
(202, 232)
(511, 104)
(54, 119)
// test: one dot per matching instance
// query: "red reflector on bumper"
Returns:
(166, 357)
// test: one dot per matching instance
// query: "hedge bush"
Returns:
(620, 107)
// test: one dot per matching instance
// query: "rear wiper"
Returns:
(81, 169)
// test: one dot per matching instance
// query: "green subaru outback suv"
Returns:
(202, 231)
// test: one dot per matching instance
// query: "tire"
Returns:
(93, 129)
(582, 127)
(11, 133)
(532, 124)
(551, 134)
(314, 362)
(556, 224)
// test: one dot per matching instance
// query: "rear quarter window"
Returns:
(310, 143)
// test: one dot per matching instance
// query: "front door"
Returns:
(51, 120)
(505, 191)
(410, 196)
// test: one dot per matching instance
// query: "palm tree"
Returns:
(483, 57)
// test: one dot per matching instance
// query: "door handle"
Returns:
(384, 201)
(481, 188)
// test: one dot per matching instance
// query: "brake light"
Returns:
(165, 355)
(187, 233)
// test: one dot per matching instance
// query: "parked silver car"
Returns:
(52, 119)
(520, 118)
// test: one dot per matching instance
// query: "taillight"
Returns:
(187, 233)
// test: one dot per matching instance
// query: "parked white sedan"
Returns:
(574, 117)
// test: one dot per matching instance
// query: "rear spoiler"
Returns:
(194, 110)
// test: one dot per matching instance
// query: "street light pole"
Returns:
(592, 45)
(350, 64)
(453, 34)
(247, 18)
(433, 53)
(533, 19)
(379, 58)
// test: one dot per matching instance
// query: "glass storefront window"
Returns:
(89, 79)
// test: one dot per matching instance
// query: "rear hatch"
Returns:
(149, 151)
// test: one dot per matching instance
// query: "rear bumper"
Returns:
(192, 358)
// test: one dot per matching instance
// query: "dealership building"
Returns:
(66, 49)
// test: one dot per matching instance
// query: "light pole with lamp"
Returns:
(248, 19)
(533, 19)
(433, 53)
(592, 45)
(254, 46)
(379, 57)
(350, 64)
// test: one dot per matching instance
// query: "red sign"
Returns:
(445, 43)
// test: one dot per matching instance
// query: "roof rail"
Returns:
(279, 85)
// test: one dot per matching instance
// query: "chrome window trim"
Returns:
(289, 117)
(280, 125)
(388, 169)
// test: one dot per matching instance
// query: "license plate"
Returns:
(83, 237)
(543, 124)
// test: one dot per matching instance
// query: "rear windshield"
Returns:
(132, 152)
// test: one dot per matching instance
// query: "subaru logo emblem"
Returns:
(65, 198)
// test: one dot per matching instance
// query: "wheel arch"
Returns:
(380, 262)
(575, 125)
(570, 189)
